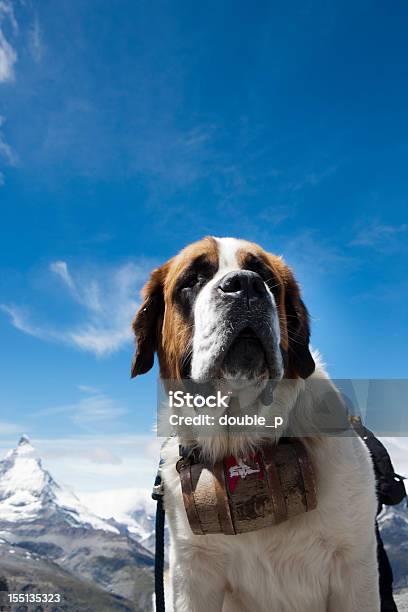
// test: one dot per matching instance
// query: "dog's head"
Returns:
(223, 308)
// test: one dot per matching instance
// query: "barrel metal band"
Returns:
(223, 505)
(306, 470)
(184, 468)
(275, 487)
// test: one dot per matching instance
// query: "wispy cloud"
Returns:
(119, 503)
(60, 268)
(88, 389)
(398, 450)
(7, 428)
(20, 320)
(8, 54)
(313, 255)
(98, 455)
(107, 300)
(8, 58)
(377, 234)
(9, 36)
(277, 214)
(94, 408)
(35, 40)
(6, 152)
(310, 179)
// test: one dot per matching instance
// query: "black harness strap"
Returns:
(157, 495)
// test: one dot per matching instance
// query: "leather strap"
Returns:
(223, 506)
(184, 469)
(307, 472)
(275, 487)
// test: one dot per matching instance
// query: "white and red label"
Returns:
(239, 469)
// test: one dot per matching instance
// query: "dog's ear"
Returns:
(299, 361)
(148, 322)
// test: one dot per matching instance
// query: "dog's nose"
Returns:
(242, 284)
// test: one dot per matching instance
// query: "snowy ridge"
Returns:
(131, 507)
(393, 514)
(28, 492)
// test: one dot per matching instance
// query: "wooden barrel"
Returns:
(246, 494)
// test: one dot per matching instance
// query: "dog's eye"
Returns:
(263, 272)
(267, 275)
(193, 280)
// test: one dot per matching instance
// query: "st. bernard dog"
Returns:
(224, 308)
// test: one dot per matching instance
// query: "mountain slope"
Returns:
(393, 523)
(24, 572)
(40, 516)
(131, 507)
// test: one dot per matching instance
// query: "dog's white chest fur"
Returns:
(320, 561)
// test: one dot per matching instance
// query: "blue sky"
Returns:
(130, 129)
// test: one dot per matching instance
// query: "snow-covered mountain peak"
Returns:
(22, 475)
(28, 492)
(24, 448)
(24, 441)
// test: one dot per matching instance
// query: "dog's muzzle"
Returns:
(237, 331)
(251, 345)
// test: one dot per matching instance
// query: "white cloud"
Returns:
(8, 58)
(98, 455)
(8, 429)
(311, 255)
(61, 269)
(5, 149)
(8, 55)
(376, 234)
(35, 40)
(118, 503)
(95, 408)
(108, 299)
(310, 179)
(398, 451)
(19, 319)
(88, 389)
(6, 152)
(7, 12)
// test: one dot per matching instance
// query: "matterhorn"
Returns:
(47, 536)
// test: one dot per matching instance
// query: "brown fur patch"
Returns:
(293, 315)
(177, 332)
(147, 324)
(159, 320)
